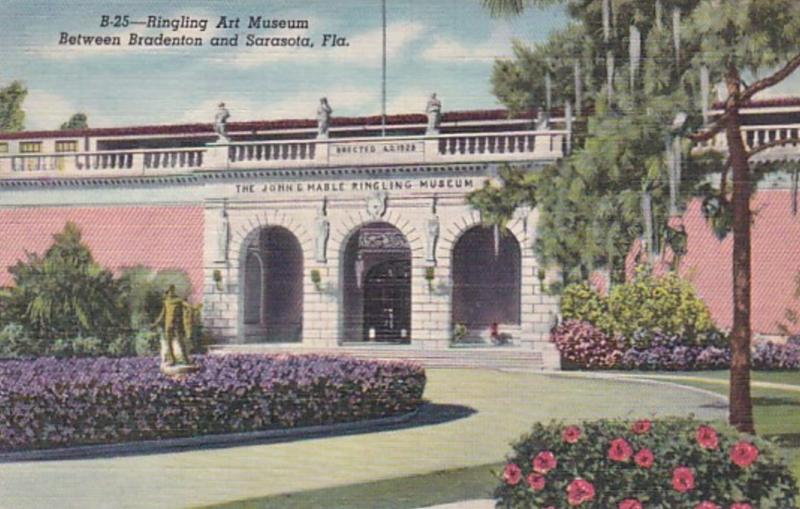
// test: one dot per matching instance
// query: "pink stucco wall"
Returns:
(160, 237)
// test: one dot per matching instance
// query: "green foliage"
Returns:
(65, 294)
(459, 332)
(640, 461)
(145, 292)
(666, 304)
(12, 117)
(147, 342)
(76, 121)
(15, 341)
(590, 203)
(579, 301)
(65, 304)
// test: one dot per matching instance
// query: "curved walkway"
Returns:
(504, 404)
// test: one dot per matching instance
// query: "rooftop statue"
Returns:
(221, 123)
(542, 122)
(323, 118)
(434, 112)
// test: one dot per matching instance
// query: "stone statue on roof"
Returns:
(323, 118)
(542, 122)
(221, 123)
(434, 112)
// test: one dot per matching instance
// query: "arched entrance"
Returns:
(376, 282)
(272, 287)
(486, 279)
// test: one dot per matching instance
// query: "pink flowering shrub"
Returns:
(583, 345)
(660, 464)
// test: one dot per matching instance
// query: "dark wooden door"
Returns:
(387, 302)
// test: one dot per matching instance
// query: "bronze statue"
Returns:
(176, 317)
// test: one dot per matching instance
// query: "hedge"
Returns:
(51, 402)
(584, 346)
(662, 464)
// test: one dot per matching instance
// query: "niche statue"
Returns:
(176, 320)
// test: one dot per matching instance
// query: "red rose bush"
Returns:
(659, 464)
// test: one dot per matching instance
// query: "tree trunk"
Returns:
(741, 407)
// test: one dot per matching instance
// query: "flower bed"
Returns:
(669, 463)
(584, 346)
(61, 402)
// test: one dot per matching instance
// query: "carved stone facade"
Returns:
(392, 222)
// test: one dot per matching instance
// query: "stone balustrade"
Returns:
(479, 147)
(755, 136)
(101, 163)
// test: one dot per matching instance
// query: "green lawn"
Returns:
(492, 409)
(776, 411)
(404, 493)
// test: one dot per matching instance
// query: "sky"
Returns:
(443, 46)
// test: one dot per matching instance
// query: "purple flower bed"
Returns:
(677, 358)
(51, 402)
(769, 355)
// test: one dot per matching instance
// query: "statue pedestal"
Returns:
(179, 369)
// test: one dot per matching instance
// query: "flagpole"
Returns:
(383, 76)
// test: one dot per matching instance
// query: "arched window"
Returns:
(486, 279)
(273, 287)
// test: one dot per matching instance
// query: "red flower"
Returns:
(644, 458)
(641, 427)
(536, 482)
(741, 505)
(744, 454)
(571, 434)
(707, 437)
(512, 474)
(683, 479)
(707, 505)
(544, 462)
(630, 503)
(579, 491)
(620, 450)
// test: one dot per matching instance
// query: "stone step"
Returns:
(486, 357)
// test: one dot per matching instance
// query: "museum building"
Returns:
(336, 234)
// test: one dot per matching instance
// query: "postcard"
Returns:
(400, 254)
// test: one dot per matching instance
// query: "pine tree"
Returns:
(646, 67)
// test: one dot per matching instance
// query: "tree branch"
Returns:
(769, 81)
(716, 127)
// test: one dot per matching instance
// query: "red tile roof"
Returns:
(161, 237)
(263, 125)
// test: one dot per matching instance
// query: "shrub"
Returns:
(51, 402)
(65, 293)
(585, 346)
(678, 358)
(666, 463)
(579, 301)
(15, 341)
(714, 358)
(769, 355)
(145, 292)
(147, 342)
(667, 304)
(645, 306)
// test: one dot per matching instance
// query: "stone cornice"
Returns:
(201, 177)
